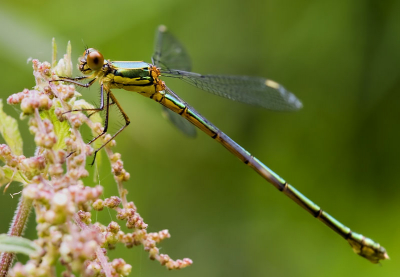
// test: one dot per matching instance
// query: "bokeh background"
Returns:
(341, 58)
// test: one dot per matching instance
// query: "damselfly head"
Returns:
(92, 60)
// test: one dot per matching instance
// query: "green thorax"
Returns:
(132, 70)
(132, 76)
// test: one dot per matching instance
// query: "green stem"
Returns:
(16, 229)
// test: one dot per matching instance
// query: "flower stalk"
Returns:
(17, 228)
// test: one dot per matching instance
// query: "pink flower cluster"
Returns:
(54, 187)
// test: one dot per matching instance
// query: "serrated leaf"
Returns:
(8, 175)
(61, 129)
(9, 131)
(17, 245)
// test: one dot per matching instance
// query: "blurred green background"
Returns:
(341, 58)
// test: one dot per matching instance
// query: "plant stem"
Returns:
(16, 229)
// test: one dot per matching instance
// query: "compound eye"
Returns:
(95, 60)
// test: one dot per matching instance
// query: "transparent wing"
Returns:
(169, 52)
(255, 91)
(171, 57)
(181, 123)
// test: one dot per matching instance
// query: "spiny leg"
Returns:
(94, 110)
(97, 110)
(91, 82)
(107, 113)
(75, 81)
(127, 121)
(101, 108)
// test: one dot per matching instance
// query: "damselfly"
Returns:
(171, 60)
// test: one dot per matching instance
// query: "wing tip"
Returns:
(297, 104)
(294, 102)
(291, 99)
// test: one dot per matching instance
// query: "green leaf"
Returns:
(17, 245)
(61, 129)
(9, 131)
(8, 174)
